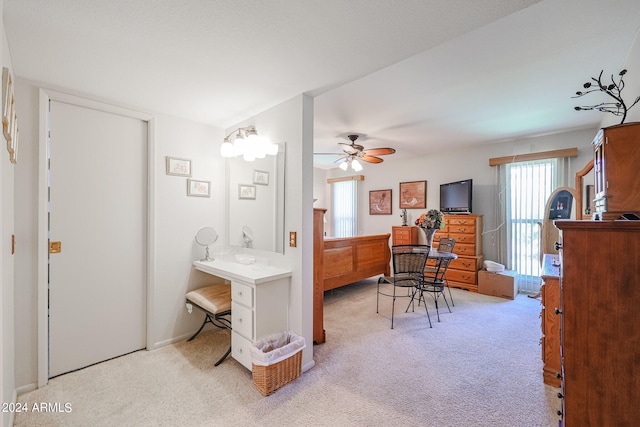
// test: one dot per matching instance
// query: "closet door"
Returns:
(98, 213)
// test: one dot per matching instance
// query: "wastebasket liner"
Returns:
(276, 347)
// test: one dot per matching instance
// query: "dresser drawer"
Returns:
(464, 249)
(462, 229)
(242, 294)
(468, 264)
(463, 238)
(462, 276)
(242, 320)
(462, 220)
(241, 349)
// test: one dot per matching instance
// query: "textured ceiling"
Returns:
(408, 73)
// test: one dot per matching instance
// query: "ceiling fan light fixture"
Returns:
(344, 165)
(355, 165)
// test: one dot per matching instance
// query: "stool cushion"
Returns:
(214, 299)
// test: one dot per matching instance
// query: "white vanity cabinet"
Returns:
(259, 302)
(257, 310)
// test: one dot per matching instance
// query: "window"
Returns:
(528, 186)
(345, 208)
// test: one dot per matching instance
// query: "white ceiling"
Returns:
(415, 75)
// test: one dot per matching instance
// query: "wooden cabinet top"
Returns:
(624, 226)
(550, 266)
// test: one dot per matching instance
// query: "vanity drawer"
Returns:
(242, 320)
(242, 294)
(241, 349)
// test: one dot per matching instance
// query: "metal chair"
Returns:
(434, 282)
(446, 244)
(408, 272)
(215, 301)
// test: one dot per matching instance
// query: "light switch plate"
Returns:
(293, 240)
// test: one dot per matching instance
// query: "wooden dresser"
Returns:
(466, 229)
(404, 235)
(550, 320)
(600, 323)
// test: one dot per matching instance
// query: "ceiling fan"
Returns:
(354, 152)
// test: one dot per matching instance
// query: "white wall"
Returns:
(7, 172)
(292, 122)
(447, 166)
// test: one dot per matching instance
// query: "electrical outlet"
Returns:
(293, 240)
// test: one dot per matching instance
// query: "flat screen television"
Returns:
(455, 197)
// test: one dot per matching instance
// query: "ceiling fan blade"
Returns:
(379, 151)
(371, 159)
(340, 160)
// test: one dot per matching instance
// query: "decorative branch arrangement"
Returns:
(614, 90)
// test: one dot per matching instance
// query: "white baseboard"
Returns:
(26, 389)
(169, 341)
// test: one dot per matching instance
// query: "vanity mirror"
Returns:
(263, 214)
(204, 237)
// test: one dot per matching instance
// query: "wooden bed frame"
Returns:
(341, 261)
(349, 259)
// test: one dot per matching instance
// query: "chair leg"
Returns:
(219, 321)
(421, 298)
(450, 296)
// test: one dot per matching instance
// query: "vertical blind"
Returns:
(345, 208)
(528, 186)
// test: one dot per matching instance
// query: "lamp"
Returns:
(248, 144)
(355, 164)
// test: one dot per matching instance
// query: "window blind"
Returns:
(345, 208)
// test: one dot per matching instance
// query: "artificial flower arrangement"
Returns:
(431, 219)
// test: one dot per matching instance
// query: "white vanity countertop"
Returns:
(252, 273)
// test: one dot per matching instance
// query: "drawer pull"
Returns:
(559, 376)
(239, 319)
(559, 413)
(557, 245)
(560, 395)
(556, 311)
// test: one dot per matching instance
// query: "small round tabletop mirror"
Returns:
(247, 236)
(205, 237)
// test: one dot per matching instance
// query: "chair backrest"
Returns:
(409, 259)
(446, 244)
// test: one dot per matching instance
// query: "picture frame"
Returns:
(413, 195)
(178, 167)
(260, 177)
(246, 191)
(380, 202)
(198, 188)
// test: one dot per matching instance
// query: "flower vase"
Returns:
(428, 234)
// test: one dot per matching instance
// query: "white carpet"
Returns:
(480, 366)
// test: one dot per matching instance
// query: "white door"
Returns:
(98, 213)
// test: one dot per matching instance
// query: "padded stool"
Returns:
(215, 301)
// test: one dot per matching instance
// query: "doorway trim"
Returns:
(45, 96)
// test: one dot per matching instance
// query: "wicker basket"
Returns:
(270, 378)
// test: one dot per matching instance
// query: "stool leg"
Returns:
(206, 320)
(223, 357)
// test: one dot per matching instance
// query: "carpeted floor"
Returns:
(480, 366)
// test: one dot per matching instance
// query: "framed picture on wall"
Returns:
(380, 202)
(246, 191)
(178, 167)
(413, 195)
(260, 177)
(198, 188)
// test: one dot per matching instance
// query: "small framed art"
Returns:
(178, 167)
(413, 195)
(260, 177)
(198, 188)
(380, 202)
(246, 191)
